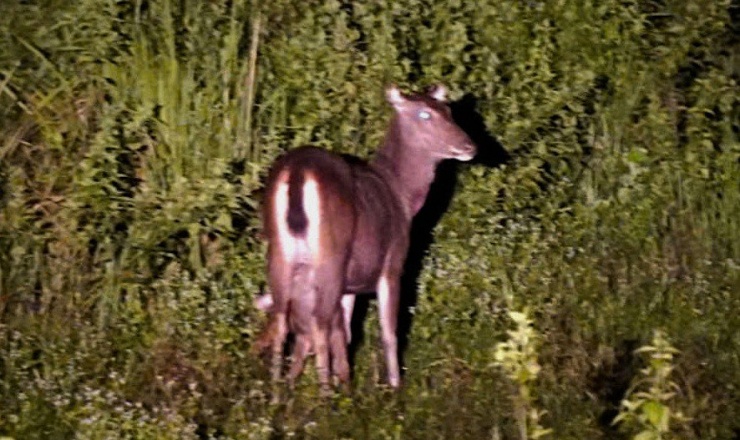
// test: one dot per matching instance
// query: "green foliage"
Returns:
(135, 135)
(648, 409)
(517, 356)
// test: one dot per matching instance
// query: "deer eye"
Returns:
(423, 114)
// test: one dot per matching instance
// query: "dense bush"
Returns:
(602, 216)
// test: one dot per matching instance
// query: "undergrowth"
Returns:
(135, 137)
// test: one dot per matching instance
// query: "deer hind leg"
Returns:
(338, 349)
(281, 332)
(388, 299)
(320, 335)
(279, 283)
(328, 323)
(300, 352)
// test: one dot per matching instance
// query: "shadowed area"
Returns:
(490, 154)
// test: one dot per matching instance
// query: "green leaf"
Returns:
(657, 414)
(646, 435)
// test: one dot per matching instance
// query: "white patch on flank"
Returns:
(297, 249)
(285, 238)
(312, 208)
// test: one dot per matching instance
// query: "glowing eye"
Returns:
(423, 114)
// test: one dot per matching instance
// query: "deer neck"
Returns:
(408, 168)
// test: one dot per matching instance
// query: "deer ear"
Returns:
(394, 96)
(438, 92)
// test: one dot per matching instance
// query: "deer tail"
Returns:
(296, 218)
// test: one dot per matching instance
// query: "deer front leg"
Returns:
(348, 306)
(388, 300)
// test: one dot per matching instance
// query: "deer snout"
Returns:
(464, 152)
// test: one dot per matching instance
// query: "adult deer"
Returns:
(338, 227)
